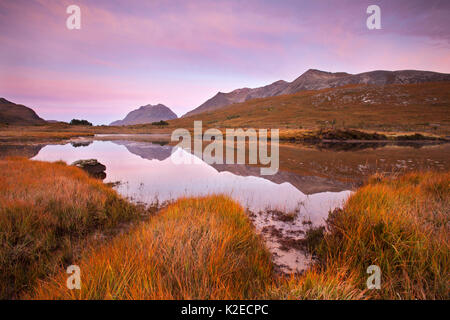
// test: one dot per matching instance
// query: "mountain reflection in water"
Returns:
(147, 173)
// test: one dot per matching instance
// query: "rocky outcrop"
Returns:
(92, 167)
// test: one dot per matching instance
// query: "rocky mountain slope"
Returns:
(146, 114)
(316, 80)
(418, 107)
(222, 99)
(17, 114)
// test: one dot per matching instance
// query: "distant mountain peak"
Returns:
(280, 82)
(324, 73)
(146, 114)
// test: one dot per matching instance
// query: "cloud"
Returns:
(180, 52)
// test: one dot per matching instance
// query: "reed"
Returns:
(206, 248)
(46, 211)
(197, 248)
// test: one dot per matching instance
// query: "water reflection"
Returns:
(147, 173)
(19, 150)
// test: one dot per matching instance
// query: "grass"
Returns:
(303, 135)
(330, 284)
(400, 224)
(206, 248)
(201, 248)
(29, 134)
(46, 211)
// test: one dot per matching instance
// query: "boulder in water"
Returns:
(92, 167)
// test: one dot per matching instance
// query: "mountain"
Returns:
(419, 107)
(146, 114)
(315, 80)
(17, 114)
(239, 95)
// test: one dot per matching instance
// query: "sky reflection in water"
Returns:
(160, 178)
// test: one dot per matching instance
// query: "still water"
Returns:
(147, 174)
(312, 180)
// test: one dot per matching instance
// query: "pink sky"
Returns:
(181, 53)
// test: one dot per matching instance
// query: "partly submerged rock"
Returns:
(92, 167)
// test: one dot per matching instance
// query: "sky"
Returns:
(180, 53)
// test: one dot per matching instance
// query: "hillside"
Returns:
(396, 107)
(146, 114)
(17, 114)
(47, 212)
(316, 80)
(222, 99)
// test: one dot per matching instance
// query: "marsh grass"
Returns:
(201, 248)
(46, 210)
(400, 224)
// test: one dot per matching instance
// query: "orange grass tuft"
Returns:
(44, 208)
(400, 224)
(203, 248)
(206, 248)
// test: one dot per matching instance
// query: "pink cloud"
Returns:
(182, 52)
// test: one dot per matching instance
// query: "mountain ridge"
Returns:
(314, 79)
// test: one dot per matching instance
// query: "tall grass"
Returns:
(201, 248)
(206, 248)
(46, 209)
(400, 224)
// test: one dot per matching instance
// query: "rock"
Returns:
(92, 167)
